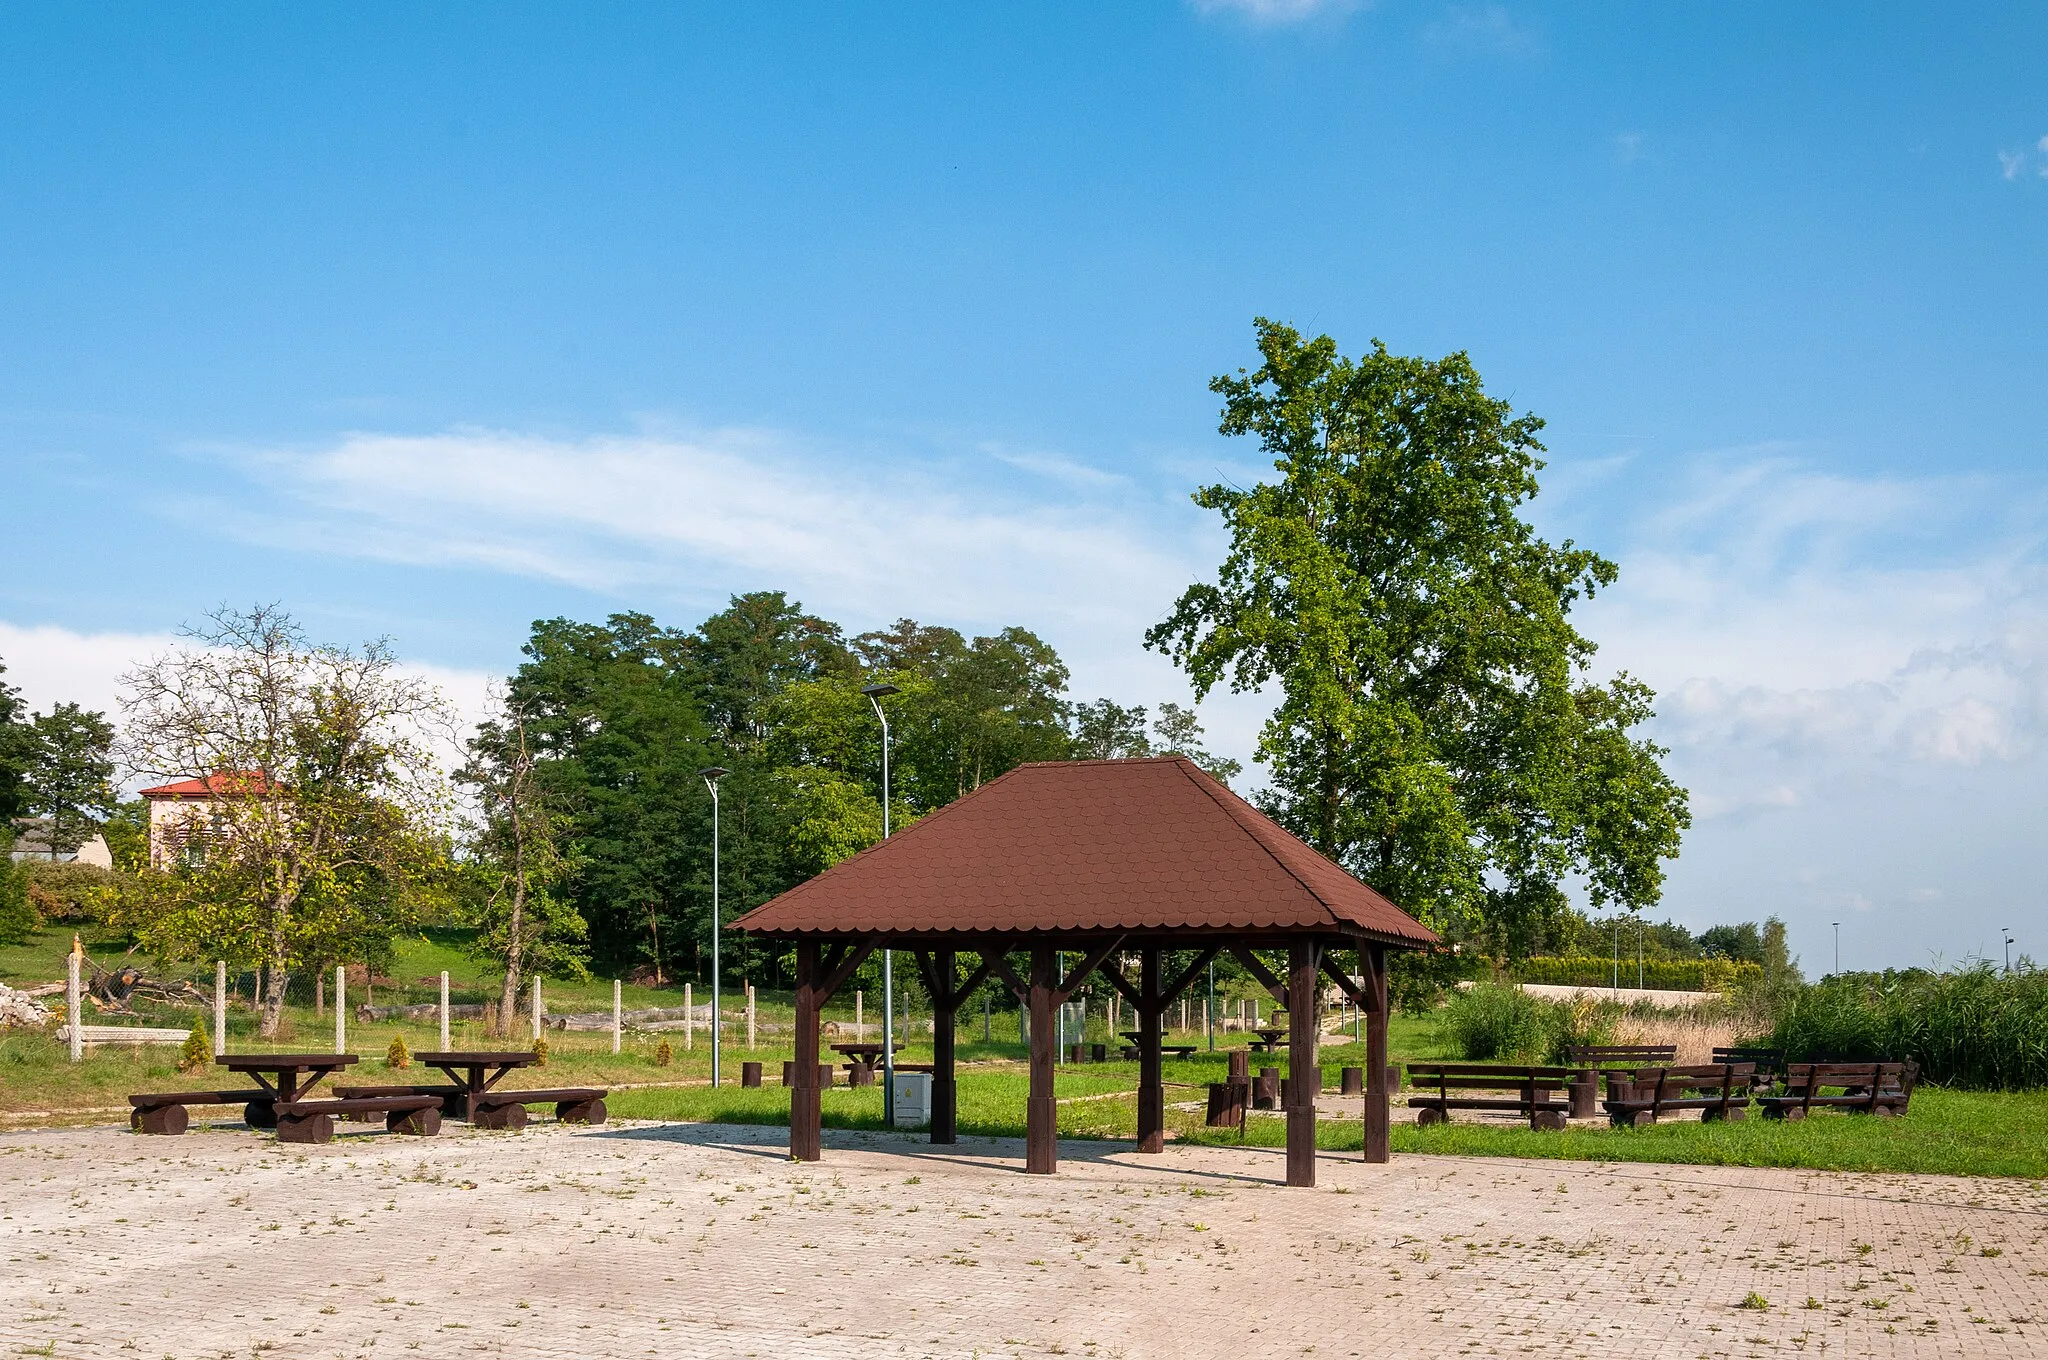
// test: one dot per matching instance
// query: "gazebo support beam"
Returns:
(945, 1002)
(1372, 965)
(1304, 1072)
(1151, 1089)
(1041, 1111)
(806, 1111)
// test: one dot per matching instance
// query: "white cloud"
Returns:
(1275, 12)
(1628, 147)
(2011, 163)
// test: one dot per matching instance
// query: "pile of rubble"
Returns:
(19, 1010)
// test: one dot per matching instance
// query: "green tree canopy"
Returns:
(17, 754)
(71, 773)
(1437, 732)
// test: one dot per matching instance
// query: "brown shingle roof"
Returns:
(1089, 845)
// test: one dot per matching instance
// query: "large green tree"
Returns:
(17, 754)
(71, 773)
(1437, 731)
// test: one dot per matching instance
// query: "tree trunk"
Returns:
(273, 995)
(508, 996)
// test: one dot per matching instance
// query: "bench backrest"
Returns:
(1446, 1077)
(1874, 1083)
(1596, 1055)
(1766, 1059)
(1675, 1083)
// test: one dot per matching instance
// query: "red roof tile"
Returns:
(212, 786)
(1089, 845)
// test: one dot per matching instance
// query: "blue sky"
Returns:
(432, 325)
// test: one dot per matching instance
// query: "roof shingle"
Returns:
(1126, 845)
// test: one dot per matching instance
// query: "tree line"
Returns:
(1437, 727)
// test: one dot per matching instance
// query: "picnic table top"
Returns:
(513, 1057)
(285, 1062)
(864, 1046)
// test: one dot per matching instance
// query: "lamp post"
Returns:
(2008, 947)
(1838, 946)
(1639, 953)
(712, 774)
(877, 693)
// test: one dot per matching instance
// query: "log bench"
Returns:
(164, 1112)
(1878, 1088)
(507, 1109)
(1717, 1090)
(1769, 1061)
(1586, 1057)
(1129, 1053)
(312, 1121)
(1494, 1086)
(454, 1099)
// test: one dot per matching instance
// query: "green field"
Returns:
(1948, 1132)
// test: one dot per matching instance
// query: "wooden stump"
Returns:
(509, 1116)
(587, 1111)
(1266, 1090)
(306, 1128)
(1240, 1067)
(1431, 1115)
(259, 1114)
(1226, 1104)
(1351, 1081)
(750, 1074)
(168, 1119)
(859, 1074)
(420, 1123)
(1098, 1053)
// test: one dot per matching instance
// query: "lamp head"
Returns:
(713, 773)
(880, 691)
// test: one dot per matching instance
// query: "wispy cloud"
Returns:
(1488, 28)
(1278, 12)
(2013, 164)
(1628, 147)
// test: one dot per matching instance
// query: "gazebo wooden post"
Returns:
(1372, 963)
(1304, 1073)
(1041, 1111)
(945, 1001)
(805, 1100)
(1151, 1091)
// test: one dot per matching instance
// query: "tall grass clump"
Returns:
(1492, 1022)
(1972, 1027)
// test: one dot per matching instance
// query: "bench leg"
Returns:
(422, 1123)
(1547, 1119)
(581, 1111)
(1429, 1114)
(1733, 1113)
(163, 1119)
(306, 1128)
(259, 1114)
(498, 1117)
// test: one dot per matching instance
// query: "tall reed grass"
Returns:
(1972, 1027)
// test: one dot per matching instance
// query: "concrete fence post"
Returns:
(860, 1021)
(689, 1020)
(536, 1010)
(618, 1012)
(750, 1017)
(220, 1007)
(74, 1004)
(444, 1010)
(341, 1008)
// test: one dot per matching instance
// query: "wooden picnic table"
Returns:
(1137, 1036)
(281, 1078)
(466, 1071)
(864, 1055)
(1270, 1040)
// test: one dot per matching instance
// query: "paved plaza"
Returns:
(667, 1240)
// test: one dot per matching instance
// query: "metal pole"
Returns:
(444, 1012)
(716, 1027)
(74, 1004)
(1209, 1010)
(1639, 953)
(2008, 948)
(220, 1007)
(618, 1012)
(1838, 946)
(1615, 986)
(888, 955)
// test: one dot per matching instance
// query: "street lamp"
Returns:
(877, 693)
(2008, 947)
(1838, 946)
(711, 775)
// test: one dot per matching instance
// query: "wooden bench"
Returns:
(507, 1109)
(454, 1099)
(164, 1112)
(312, 1121)
(1769, 1061)
(1717, 1090)
(1129, 1053)
(1531, 1087)
(1880, 1088)
(1587, 1057)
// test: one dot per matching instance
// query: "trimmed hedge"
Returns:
(1675, 975)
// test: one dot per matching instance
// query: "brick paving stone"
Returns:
(704, 1240)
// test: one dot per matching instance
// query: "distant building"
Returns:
(32, 842)
(184, 815)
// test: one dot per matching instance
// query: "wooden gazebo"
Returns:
(1108, 860)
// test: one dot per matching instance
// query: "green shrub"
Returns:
(398, 1056)
(1488, 1022)
(197, 1050)
(1972, 1027)
(664, 1055)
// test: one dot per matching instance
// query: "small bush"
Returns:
(398, 1057)
(664, 1055)
(1493, 1023)
(540, 1052)
(197, 1050)
(1755, 1302)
